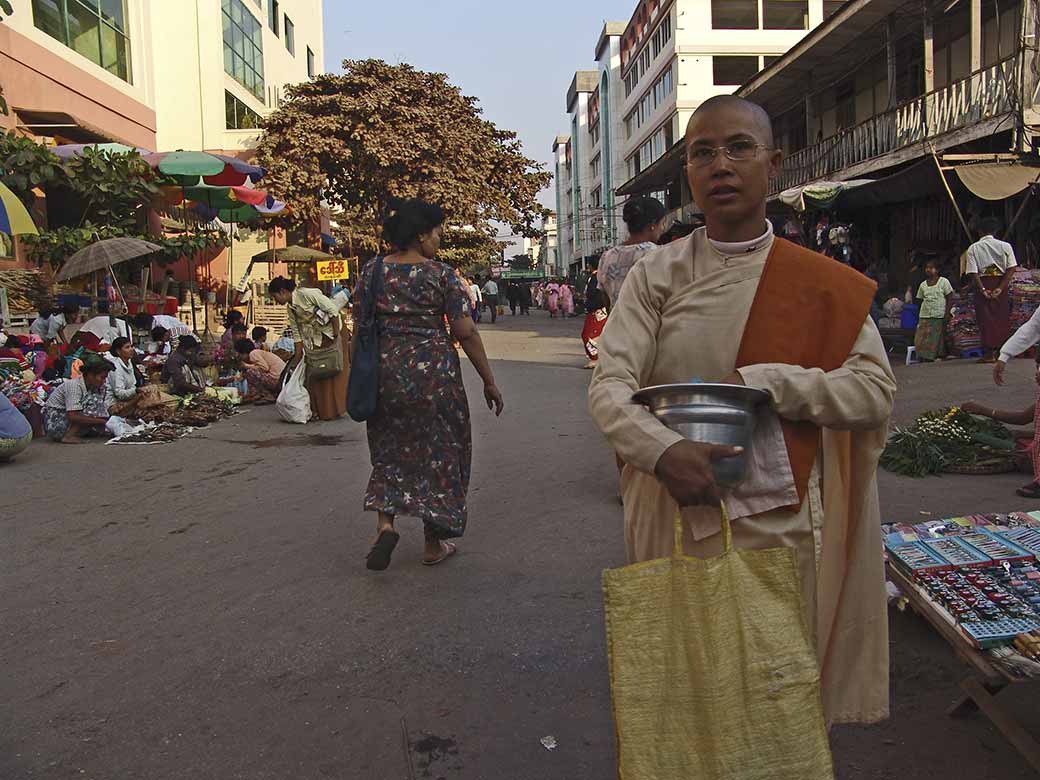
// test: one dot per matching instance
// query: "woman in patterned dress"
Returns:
(419, 438)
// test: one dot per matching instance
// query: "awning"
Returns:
(819, 194)
(67, 126)
(996, 181)
(658, 176)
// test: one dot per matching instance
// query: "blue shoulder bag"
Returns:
(363, 385)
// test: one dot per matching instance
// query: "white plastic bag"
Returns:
(294, 402)
(117, 426)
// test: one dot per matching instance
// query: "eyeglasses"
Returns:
(738, 151)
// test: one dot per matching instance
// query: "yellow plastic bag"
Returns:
(711, 668)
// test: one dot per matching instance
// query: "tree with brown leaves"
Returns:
(379, 131)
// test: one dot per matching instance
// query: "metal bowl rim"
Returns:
(749, 395)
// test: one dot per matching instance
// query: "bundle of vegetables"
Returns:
(947, 439)
(195, 412)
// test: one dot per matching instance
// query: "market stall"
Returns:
(975, 579)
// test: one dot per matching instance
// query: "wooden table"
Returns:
(980, 689)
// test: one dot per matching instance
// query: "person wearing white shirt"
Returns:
(491, 297)
(1025, 337)
(991, 265)
(106, 328)
(476, 299)
(51, 326)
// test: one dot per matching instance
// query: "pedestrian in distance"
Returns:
(990, 266)
(935, 294)
(490, 290)
(513, 296)
(525, 299)
(566, 300)
(644, 217)
(419, 438)
(552, 298)
(477, 299)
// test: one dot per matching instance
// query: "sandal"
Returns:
(1032, 490)
(378, 557)
(447, 550)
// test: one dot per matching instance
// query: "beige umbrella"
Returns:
(291, 254)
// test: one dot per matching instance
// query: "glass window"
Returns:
(733, 71)
(734, 15)
(273, 15)
(290, 35)
(310, 63)
(243, 52)
(767, 61)
(239, 116)
(95, 30)
(785, 14)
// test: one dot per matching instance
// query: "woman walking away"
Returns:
(595, 321)
(315, 320)
(419, 438)
(552, 297)
(934, 294)
(567, 300)
(644, 218)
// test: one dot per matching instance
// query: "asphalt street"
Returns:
(201, 609)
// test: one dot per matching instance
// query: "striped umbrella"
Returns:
(14, 217)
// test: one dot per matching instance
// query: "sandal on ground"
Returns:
(378, 557)
(1032, 490)
(447, 550)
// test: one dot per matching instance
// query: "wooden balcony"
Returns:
(984, 100)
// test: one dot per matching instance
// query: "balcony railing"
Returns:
(984, 94)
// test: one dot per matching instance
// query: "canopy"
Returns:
(818, 194)
(291, 254)
(996, 181)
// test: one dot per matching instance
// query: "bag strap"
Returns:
(727, 533)
(375, 289)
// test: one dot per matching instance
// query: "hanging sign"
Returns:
(329, 270)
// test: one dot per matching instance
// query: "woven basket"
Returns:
(999, 467)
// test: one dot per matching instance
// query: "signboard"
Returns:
(330, 270)
(529, 274)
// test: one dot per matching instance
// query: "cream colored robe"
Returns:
(681, 315)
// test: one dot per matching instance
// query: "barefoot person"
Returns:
(731, 303)
(79, 407)
(419, 439)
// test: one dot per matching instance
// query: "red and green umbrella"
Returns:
(216, 169)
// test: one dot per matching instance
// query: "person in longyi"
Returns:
(732, 303)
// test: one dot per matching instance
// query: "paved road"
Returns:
(201, 609)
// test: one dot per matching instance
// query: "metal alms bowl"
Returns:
(712, 414)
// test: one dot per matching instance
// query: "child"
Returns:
(934, 294)
(259, 335)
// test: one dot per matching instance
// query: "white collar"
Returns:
(741, 247)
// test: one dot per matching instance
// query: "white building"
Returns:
(578, 187)
(606, 166)
(564, 201)
(545, 250)
(675, 54)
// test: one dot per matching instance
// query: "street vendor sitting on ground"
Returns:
(160, 341)
(80, 407)
(263, 369)
(99, 332)
(181, 371)
(731, 303)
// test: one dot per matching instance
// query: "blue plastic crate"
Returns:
(954, 550)
(915, 558)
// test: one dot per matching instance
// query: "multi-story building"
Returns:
(157, 74)
(939, 103)
(606, 166)
(579, 157)
(565, 223)
(675, 54)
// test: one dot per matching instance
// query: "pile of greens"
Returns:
(947, 439)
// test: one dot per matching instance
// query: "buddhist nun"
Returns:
(734, 303)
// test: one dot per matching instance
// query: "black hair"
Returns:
(989, 225)
(69, 309)
(244, 346)
(642, 213)
(158, 332)
(259, 334)
(932, 261)
(409, 219)
(13, 342)
(232, 317)
(143, 321)
(281, 284)
(239, 327)
(117, 344)
(187, 343)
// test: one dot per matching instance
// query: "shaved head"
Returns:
(757, 117)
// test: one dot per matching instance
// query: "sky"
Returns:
(517, 58)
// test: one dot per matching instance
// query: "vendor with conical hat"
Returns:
(732, 303)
